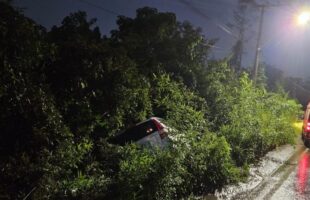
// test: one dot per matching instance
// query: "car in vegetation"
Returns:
(306, 127)
(151, 133)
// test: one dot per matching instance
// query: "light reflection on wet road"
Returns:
(297, 185)
(302, 173)
(289, 182)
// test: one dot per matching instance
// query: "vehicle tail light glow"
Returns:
(307, 128)
(161, 129)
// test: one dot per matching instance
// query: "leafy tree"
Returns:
(254, 128)
(220, 92)
(157, 42)
(33, 135)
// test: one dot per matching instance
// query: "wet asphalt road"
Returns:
(297, 184)
(290, 181)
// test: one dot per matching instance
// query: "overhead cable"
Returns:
(100, 7)
(223, 27)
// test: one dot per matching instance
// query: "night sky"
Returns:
(284, 44)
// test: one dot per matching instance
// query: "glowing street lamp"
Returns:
(303, 18)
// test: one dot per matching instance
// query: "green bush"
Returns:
(197, 161)
(209, 164)
(148, 174)
(202, 167)
(259, 121)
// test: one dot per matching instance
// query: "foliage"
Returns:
(254, 127)
(157, 42)
(66, 91)
(197, 161)
(146, 174)
(219, 92)
(209, 164)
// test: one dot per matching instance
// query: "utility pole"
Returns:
(259, 37)
(258, 44)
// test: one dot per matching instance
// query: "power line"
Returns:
(100, 7)
(199, 12)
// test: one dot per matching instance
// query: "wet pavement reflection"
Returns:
(302, 173)
(289, 182)
(297, 184)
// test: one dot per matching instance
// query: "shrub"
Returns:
(259, 121)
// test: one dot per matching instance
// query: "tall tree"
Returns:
(33, 136)
(157, 42)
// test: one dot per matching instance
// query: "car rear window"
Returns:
(135, 133)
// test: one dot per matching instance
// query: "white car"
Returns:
(151, 133)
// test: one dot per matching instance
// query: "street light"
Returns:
(303, 18)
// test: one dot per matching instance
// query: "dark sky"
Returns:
(284, 45)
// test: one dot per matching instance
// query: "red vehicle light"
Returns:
(307, 128)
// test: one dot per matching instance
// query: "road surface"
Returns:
(290, 182)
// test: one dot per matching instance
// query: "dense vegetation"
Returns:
(65, 92)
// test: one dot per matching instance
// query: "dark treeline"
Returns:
(65, 92)
(296, 87)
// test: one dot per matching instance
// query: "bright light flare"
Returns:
(303, 18)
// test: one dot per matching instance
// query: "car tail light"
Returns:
(307, 128)
(161, 129)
